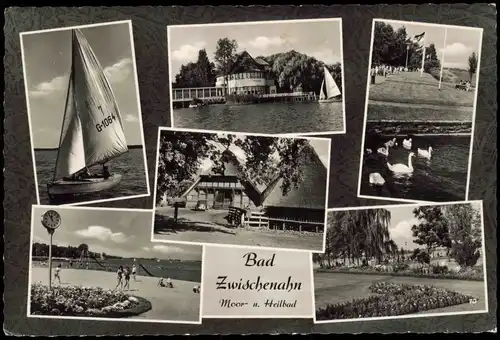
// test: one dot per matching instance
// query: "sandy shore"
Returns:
(178, 304)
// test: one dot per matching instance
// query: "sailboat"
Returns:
(92, 130)
(329, 90)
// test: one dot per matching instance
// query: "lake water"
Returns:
(271, 118)
(441, 179)
(176, 270)
(130, 165)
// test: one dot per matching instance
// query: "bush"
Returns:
(393, 299)
(438, 269)
(399, 267)
(84, 301)
(242, 99)
(466, 253)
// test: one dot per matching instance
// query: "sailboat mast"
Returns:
(70, 79)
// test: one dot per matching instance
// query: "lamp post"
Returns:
(407, 49)
(51, 220)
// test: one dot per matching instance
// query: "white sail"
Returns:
(71, 153)
(103, 135)
(322, 91)
(92, 130)
(332, 90)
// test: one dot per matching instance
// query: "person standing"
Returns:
(127, 278)
(119, 277)
(134, 270)
(57, 274)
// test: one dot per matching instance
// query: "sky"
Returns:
(459, 44)
(319, 39)
(402, 219)
(321, 146)
(115, 232)
(47, 59)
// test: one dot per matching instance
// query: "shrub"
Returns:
(420, 256)
(398, 267)
(466, 253)
(242, 98)
(393, 299)
(84, 301)
(438, 269)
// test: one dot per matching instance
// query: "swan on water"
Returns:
(368, 151)
(390, 143)
(383, 151)
(376, 179)
(407, 143)
(425, 153)
(402, 168)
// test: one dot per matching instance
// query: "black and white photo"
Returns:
(402, 261)
(241, 189)
(99, 264)
(420, 112)
(84, 113)
(271, 77)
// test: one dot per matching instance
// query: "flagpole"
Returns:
(442, 58)
(423, 57)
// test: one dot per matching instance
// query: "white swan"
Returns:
(390, 143)
(407, 143)
(402, 168)
(425, 153)
(383, 151)
(368, 151)
(376, 179)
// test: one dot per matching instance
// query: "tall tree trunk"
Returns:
(176, 213)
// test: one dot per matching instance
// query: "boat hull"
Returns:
(82, 187)
(330, 100)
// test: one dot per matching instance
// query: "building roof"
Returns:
(311, 191)
(244, 62)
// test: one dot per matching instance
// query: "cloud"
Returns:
(463, 65)
(456, 50)
(188, 52)
(263, 43)
(116, 73)
(326, 56)
(119, 71)
(131, 118)
(49, 87)
(102, 234)
(402, 233)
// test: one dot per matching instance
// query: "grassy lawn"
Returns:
(380, 111)
(333, 288)
(412, 89)
(210, 227)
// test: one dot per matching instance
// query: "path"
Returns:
(206, 231)
(173, 304)
(333, 288)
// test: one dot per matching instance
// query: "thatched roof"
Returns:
(311, 191)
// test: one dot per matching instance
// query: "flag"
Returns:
(418, 37)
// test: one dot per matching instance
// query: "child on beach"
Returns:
(127, 278)
(119, 275)
(57, 273)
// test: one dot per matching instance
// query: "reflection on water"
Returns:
(264, 118)
(440, 179)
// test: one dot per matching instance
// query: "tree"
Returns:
(205, 70)
(472, 65)
(181, 154)
(465, 233)
(420, 256)
(225, 53)
(432, 231)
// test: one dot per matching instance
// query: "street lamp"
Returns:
(51, 220)
(408, 44)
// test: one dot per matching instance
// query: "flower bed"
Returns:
(435, 272)
(85, 301)
(393, 299)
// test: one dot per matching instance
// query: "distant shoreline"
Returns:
(55, 149)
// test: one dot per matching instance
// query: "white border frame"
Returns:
(365, 120)
(139, 111)
(410, 316)
(240, 23)
(304, 316)
(153, 211)
(130, 319)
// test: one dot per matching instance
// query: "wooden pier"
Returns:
(182, 97)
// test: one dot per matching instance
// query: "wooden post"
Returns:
(300, 227)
